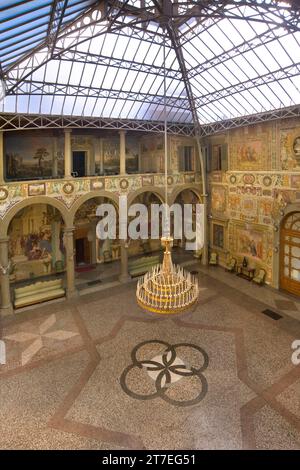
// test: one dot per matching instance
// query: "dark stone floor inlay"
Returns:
(271, 314)
(165, 369)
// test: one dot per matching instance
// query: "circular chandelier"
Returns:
(167, 288)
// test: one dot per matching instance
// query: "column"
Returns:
(92, 162)
(124, 276)
(54, 158)
(68, 153)
(140, 158)
(6, 305)
(70, 266)
(93, 241)
(1, 159)
(101, 157)
(122, 153)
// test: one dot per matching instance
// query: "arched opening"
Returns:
(146, 246)
(94, 258)
(185, 197)
(290, 253)
(36, 244)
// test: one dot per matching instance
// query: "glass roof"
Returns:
(224, 59)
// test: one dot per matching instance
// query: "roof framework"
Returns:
(228, 62)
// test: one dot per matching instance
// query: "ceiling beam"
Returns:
(12, 122)
(109, 61)
(275, 76)
(36, 88)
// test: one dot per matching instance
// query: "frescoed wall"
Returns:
(249, 199)
(36, 242)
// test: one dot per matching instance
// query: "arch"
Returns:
(278, 224)
(28, 202)
(159, 192)
(177, 191)
(92, 195)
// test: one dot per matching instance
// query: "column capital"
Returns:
(69, 230)
(122, 132)
(68, 131)
(4, 239)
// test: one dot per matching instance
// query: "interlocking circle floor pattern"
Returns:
(165, 371)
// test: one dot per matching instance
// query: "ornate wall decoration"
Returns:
(170, 180)
(111, 184)
(124, 183)
(218, 198)
(68, 188)
(295, 181)
(36, 189)
(234, 202)
(190, 178)
(290, 148)
(232, 179)
(3, 194)
(267, 181)
(97, 184)
(249, 206)
(147, 180)
(248, 178)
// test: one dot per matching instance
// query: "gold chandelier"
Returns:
(167, 288)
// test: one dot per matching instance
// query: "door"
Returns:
(79, 164)
(79, 246)
(290, 253)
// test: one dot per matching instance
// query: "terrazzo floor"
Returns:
(99, 373)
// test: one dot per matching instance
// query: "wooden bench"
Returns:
(38, 292)
(142, 265)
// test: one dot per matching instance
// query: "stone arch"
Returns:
(194, 189)
(159, 192)
(86, 197)
(28, 202)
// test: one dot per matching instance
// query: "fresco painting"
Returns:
(250, 243)
(218, 202)
(30, 156)
(290, 148)
(36, 242)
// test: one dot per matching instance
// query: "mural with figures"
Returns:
(290, 148)
(36, 245)
(250, 243)
(249, 148)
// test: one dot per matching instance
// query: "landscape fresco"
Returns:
(30, 156)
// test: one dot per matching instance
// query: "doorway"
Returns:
(82, 251)
(79, 164)
(290, 254)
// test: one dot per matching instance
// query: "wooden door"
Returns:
(290, 253)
